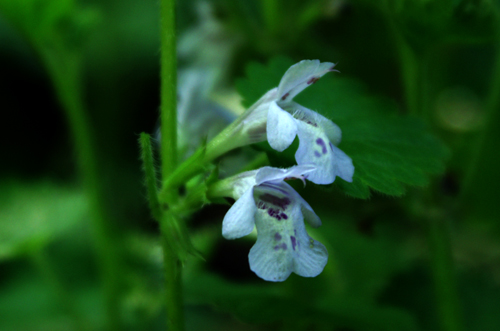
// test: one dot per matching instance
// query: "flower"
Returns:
(277, 118)
(318, 136)
(265, 201)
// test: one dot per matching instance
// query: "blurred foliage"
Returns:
(378, 276)
(34, 215)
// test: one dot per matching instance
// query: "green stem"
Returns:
(481, 152)
(230, 138)
(438, 236)
(445, 285)
(151, 178)
(168, 88)
(196, 163)
(173, 270)
(173, 278)
(65, 71)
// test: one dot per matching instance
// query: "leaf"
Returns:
(49, 22)
(455, 21)
(364, 264)
(388, 151)
(267, 303)
(33, 215)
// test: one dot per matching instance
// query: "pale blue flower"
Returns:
(265, 201)
(277, 118)
(318, 135)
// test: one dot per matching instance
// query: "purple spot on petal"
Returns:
(277, 236)
(283, 246)
(312, 80)
(284, 216)
(294, 242)
(331, 146)
(321, 143)
(310, 123)
(317, 154)
(275, 213)
(277, 201)
(285, 96)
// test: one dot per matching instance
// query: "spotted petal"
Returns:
(306, 115)
(301, 75)
(314, 147)
(283, 246)
(239, 220)
(281, 128)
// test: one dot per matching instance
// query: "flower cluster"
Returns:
(264, 200)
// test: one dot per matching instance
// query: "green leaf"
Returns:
(33, 215)
(456, 21)
(49, 22)
(389, 151)
(268, 303)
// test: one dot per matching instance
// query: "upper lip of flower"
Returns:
(301, 75)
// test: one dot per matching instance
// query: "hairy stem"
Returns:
(172, 265)
(150, 173)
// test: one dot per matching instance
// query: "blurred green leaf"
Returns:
(49, 22)
(425, 22)
(33, 215)
(481, 296)
(388, 150)
(269, 303)
(364, 264)
(28, 303)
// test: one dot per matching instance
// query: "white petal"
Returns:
(301, 75)
(269, 258)
(304, 114)
(281, 128)
(239, 220)
(250, 127)
(283, 246)
(310, 256)
(270, 174)
(343, 164)
(314, 148)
